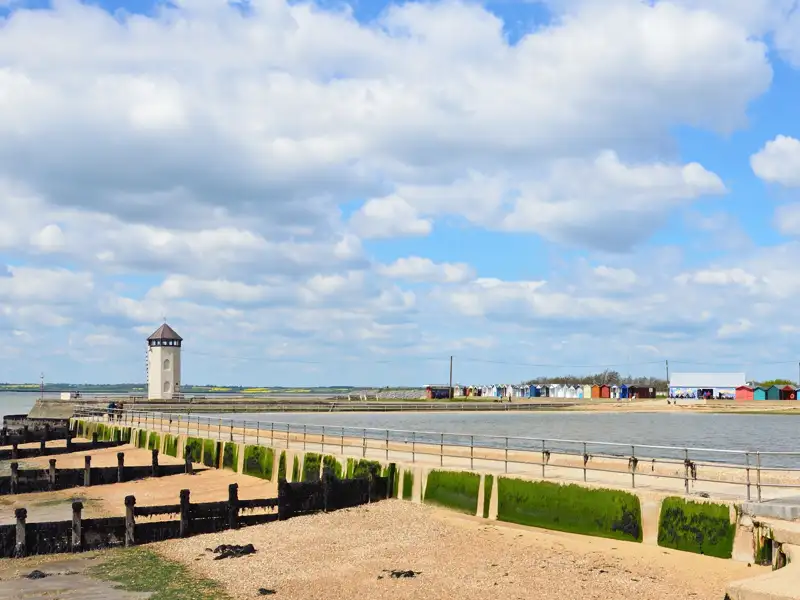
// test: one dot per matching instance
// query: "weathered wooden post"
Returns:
(326, 487)
(284, 509)
(14, 478)
(188, 458)
(69, 440)
(4, 436)
(26, 433)
(155, 463)
(184, 531)
(94, 440)
(233, 506)
(47, 431)
(87, 471)
(77, 536)
(20, 550)
(52, 474)
(14, 451)
(42, 447)
(120, 467)
(130, 521)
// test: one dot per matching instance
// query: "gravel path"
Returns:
(342, 555)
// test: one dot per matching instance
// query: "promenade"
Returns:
(657, 468)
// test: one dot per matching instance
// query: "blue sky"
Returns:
(338, 193)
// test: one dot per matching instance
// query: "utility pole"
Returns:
(451, 376)
(667, 363)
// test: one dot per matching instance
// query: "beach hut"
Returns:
(788, 393)
(773, 392)
(562, 391)
(744, 392)
(759, 393)
(536, 391)
(572, 391)
(605, 391)
(623, 391)
(579, 391)
(587, 391)
(614, 391)
(596, 391)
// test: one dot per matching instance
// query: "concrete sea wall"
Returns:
(691, 524)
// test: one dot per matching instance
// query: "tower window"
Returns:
(166, 386)
(166, 364)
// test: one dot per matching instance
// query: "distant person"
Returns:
(119, 411)
(111, 407)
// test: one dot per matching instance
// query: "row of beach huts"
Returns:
(552, 390)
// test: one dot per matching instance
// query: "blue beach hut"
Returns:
(773, 392)
(759, 393)
(623, 391)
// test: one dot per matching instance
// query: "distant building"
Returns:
(164, 364)
(705, 385)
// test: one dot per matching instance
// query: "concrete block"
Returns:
(481, 488)
(493, 499)
(783, 584)
(651, 513)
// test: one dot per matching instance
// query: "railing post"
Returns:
(544, 451)
(305, 433)
(14, 478)
(387, 444)
(747, 467)
(20, 549)
(184, 528)
(272, 434)
(219, 429)
(287, 435)
(363, 443)
(258, 432)
(758, 475)
(413, 446)
(633, 462)
(505, 458)
(441, 450)
(471, 452)
(120, 467)
(52, 474)
(14, 451)
(342, 440)
(233, 506)
(77, 537)
(42, 447)
(585, 460)
(155, 463)
(686, 470)
(87, 471)
(130, 521)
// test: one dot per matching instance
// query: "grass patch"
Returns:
(210, 453)
(141, 570)
(258, 462)
(488, 482)
(141, 439)
(171, 445)
(282, 466)
(396, 483)
(311, 464)
(296, 469)
(408, 485)
(194, 449)
(349, 471)
(330, 462)
(230, 456)
(699, 527)
(364, 467)
(570, 508)
(154, 443)
(451, 489)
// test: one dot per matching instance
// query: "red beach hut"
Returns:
(605, 391)
(788, 393)
(744, 392)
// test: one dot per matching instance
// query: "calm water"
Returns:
(777, 433)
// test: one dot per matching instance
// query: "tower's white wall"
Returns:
(163, 372)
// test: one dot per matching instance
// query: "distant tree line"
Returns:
(607, 377)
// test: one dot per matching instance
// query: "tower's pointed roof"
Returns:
(165, 332)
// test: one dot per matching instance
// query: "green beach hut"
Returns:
(773, 392)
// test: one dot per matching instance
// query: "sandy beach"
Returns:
(346, 554)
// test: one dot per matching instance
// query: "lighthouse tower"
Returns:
(164, 364)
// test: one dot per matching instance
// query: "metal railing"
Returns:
(688, 470)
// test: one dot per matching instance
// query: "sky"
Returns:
(333, 193)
